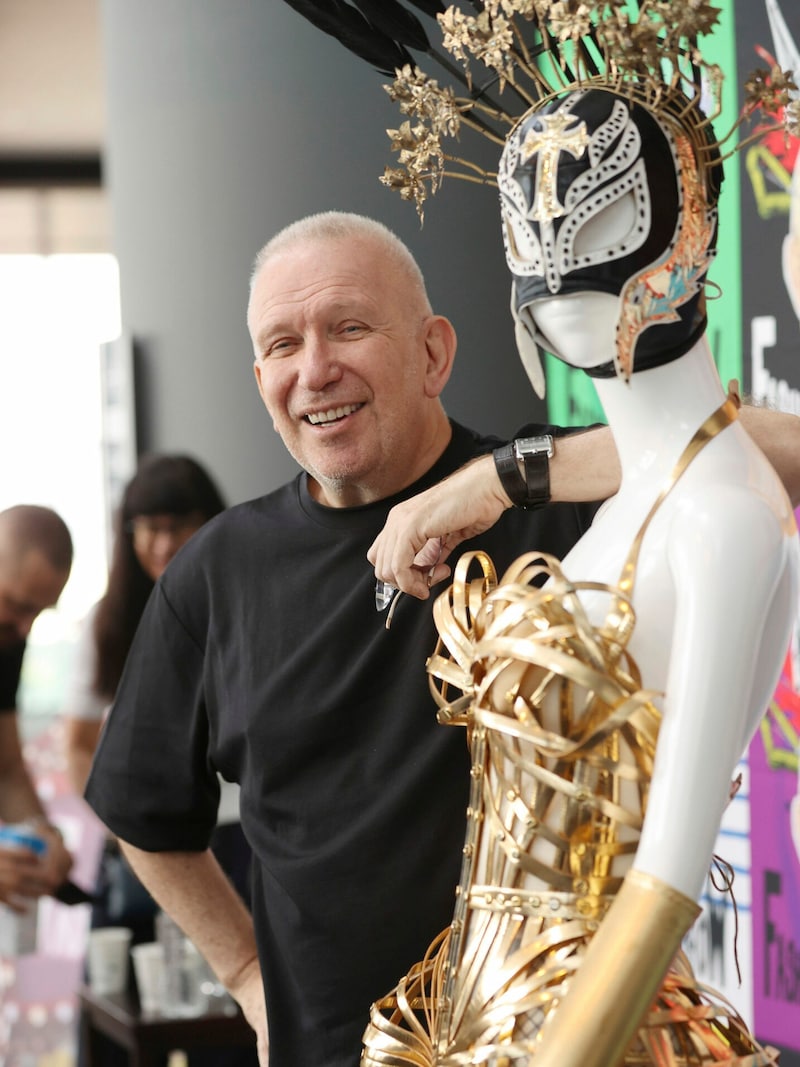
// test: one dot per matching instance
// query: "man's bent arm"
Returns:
(192, 888)
(22, 874)
(420, 534)
(777, 434)
(18, 797)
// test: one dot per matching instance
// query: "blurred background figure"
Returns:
(167, 500)
(35, 561)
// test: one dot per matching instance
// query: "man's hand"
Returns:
(26, 875)
(22, 877)
(248, 991)
(56, 862)
(419, 535)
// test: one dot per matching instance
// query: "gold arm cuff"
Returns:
(619, 976)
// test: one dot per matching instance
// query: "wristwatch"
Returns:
(524, 470)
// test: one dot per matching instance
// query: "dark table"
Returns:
(148, 1037)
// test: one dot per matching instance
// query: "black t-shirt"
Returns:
(261, 655)
(10, 670)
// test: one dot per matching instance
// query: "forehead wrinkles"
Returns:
(283, 298)
(330, 292)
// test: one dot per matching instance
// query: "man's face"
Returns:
(28, 585)
(341, 365)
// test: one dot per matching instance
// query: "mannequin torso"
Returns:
(714, 595)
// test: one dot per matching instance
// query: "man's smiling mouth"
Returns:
(320, 418)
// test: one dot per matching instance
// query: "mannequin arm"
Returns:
(729, 640)
(727, 644)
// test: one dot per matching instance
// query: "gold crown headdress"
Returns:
(522, 68)
(507, 56)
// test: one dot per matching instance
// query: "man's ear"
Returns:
(440, 344)
(257, 372)
(257, 367)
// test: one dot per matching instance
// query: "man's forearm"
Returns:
(18, 797)
(777, 434)
(420, 534)
(192, 888)
(585, 466)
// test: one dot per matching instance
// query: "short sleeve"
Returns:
(151, 781)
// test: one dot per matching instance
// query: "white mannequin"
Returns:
(714, 599)
(716, 587)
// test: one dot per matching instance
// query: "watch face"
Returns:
(534, 446)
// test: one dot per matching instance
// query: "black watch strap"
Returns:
(528, 492)
(505, 462)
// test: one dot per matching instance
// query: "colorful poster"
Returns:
(776, 867)
(768, 31)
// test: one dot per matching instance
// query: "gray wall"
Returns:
(228, 119)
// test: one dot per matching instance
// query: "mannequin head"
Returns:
(581, 326)
(601, 195)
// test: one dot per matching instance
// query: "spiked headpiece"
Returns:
(592, 103)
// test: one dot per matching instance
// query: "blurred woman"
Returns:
(167, 500)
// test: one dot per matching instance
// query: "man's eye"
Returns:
(353, 328)
(280, 348)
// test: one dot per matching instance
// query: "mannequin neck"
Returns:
(655, 414)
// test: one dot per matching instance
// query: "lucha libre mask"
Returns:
(570, 167)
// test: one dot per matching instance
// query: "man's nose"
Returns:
(319, 365)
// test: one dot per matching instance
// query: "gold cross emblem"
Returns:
(558, 133)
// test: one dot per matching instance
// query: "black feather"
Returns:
(429, 7)
(355, 32)
(370, 34)
(396, 21)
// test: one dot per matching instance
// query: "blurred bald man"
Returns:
(35, 561)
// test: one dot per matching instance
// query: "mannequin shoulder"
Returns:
(735, 526)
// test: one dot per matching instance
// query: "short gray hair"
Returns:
(339, 225)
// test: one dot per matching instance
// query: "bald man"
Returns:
(35, 560)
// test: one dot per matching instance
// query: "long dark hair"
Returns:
(162, 485)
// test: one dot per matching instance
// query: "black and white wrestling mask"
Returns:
(599, 195)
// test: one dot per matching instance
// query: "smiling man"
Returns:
(351, 376)
(261, 656)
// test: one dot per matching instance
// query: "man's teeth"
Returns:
(332, 415)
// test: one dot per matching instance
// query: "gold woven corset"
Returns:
(562, 738)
